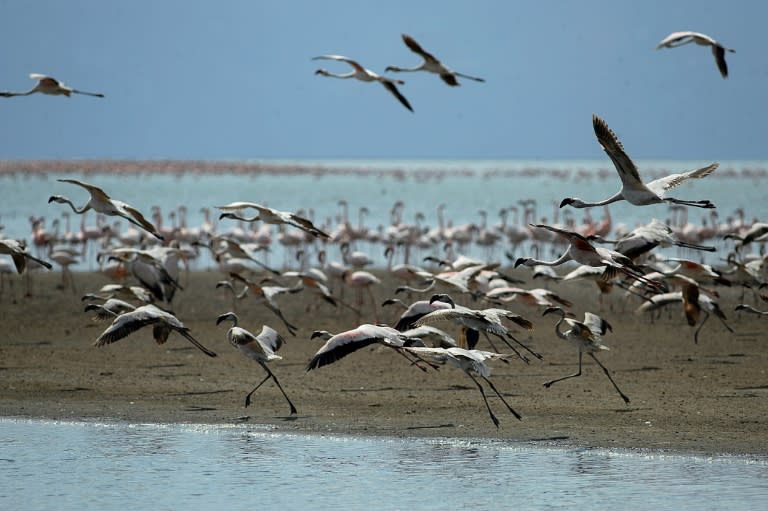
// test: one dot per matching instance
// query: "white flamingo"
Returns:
(102, 203)
(430, 64)
(583, 252)
(633, 190)
(50, 86)
(473, 363)
(586, 336)
(19, 253)
(342, 344)
(474, 321)
(676, 39)
(262, 348)
(364, 75)
(163, 323)
(694, 304)
(271, 216)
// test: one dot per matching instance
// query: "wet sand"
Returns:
(710, 397)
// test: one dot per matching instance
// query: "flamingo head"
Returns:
(521, 260)
(571, 201)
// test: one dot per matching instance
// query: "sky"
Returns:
(234, 80)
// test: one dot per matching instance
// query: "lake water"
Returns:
(106, 466)
(465, 187)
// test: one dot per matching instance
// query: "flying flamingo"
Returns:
(633, 190)
(430, 64)
(342, 344)
(676, 39)
(583, 252)
(163, 324)
(50, 86)
(19, 254)
(102, 203)
(364, 75)
(694, 304)
(473, 321)
(261, 348)
(271, 216)
(473, 363)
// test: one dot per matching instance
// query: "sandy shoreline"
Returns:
(704, 398)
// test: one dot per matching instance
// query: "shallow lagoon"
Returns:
(88, 465)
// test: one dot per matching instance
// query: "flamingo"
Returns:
(430, 64)
(364, 75)
(19, 254)
(694, 303)
(472, 362)
(262, 348)
(130, 292)
(633, 190)
(342, 344)
(537, 297)
(645, 238)
(362, 280)
(110, 309)
(266, 295)
(415, 311)
(163, 324)
(271, 216)
(748, 308)
(50, 86)
(587, 337)
(473, 321)
(149, 270)
(102, 203)
(756, 232)
(583, 252)
(676, 39)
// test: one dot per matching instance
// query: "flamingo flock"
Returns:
(443, 291)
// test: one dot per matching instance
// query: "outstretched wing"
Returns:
(393, 89)
(615, 151)
(97, 192)
(719, 53)
(124, 325)
(306, 225)
(596, 324)
(341, 58)
(411, 43)
(663, 184)
(136, 214)
(236, 206)
(675, 39)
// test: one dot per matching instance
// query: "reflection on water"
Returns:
(54, 465)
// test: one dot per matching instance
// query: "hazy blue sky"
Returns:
(234, 80)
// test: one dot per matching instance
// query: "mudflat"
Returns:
(710, 397)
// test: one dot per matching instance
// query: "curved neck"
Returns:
(560, 333)
(85, 208)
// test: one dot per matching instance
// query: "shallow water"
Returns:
(86, 465)
(465, 187)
